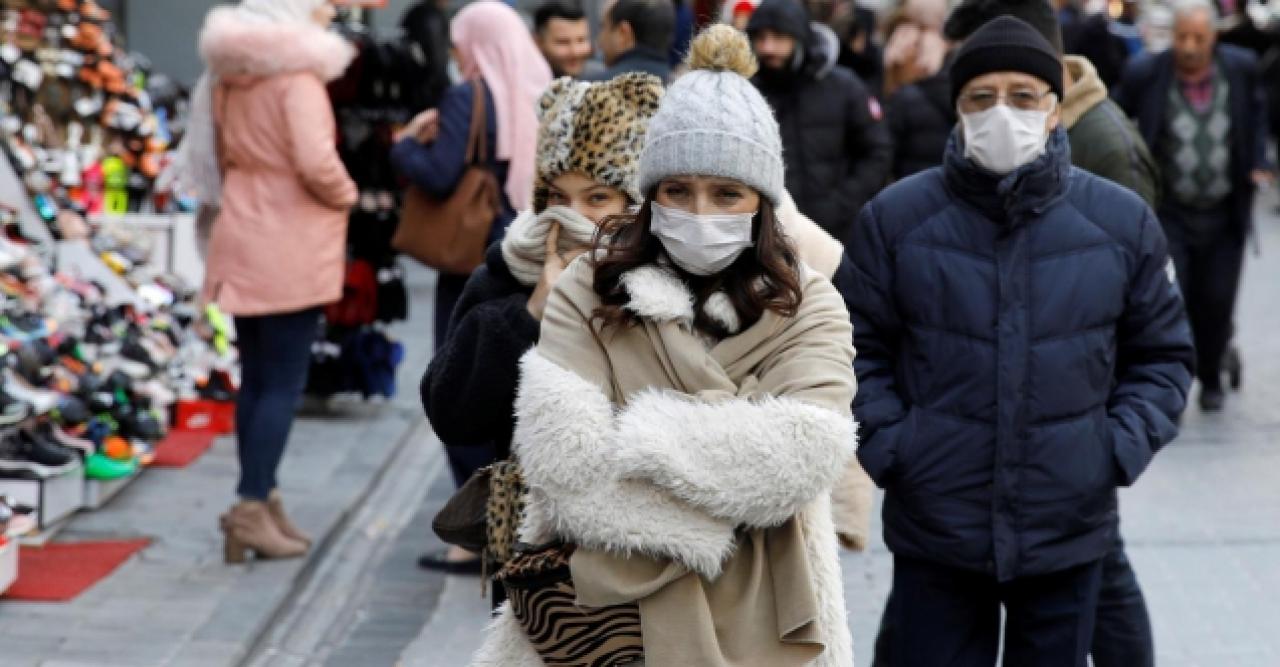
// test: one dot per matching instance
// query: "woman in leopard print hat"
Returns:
(589, 141)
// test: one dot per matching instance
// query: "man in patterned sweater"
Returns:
(1202, 110)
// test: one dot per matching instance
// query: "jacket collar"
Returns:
(1086, 92)
(1018, 196)
(643, 59)
(658, 293)
(236, 48)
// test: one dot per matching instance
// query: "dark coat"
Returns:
(437, 168)
(1022, 351)
(835, 146)
(921, 118)
(1144, 94)
(1091, 36)
(1105, 143)
(640, 59)
(469, 390)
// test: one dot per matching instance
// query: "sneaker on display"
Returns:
(104, 468)
(23, 455)
(12, 410)
(42, 401)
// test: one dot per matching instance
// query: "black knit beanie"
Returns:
(1006, 44)
(970, 15)
(788, 17)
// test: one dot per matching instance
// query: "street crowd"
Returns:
(697, 299)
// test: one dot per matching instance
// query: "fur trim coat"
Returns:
(279, 243)
(647, 443)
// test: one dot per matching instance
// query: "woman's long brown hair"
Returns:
(765, 277)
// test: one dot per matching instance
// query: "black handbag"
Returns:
(484, 515)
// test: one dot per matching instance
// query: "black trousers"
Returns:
(1208, 251)
(466, 459)
(941, 616)
(1122, 629)
(1122, 632)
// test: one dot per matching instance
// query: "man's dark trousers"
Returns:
(946, 616)
(1122, 631)
(1208, 250)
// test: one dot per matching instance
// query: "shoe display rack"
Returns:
(8, 562)
(54, 494)
(101, 344)
(16, 521)
(98, 492)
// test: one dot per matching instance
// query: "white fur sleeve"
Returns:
(751, 461)
(567, 444)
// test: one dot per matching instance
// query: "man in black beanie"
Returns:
(834, 142)
(1103, 142)
(1023, 351)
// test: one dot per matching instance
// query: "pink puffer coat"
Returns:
(279, 244)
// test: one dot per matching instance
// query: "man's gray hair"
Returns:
(1183, 8)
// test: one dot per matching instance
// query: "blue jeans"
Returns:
(275, 353)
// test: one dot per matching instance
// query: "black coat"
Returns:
(469, 390)
(834, 144)
(640, 59)
(1022, 351)
(920, 118)
(1144, 95)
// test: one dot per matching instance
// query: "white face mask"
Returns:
(1002, 138)
(703, 245)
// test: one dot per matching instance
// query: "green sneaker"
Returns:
(102, 467)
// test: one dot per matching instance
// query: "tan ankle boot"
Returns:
(249, 527)
(275, 503)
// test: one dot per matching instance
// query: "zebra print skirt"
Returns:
(542, 598)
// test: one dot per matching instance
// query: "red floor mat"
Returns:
(60, 572)
(180, 448)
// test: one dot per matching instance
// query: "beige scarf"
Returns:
(525, 245)
(668, 475)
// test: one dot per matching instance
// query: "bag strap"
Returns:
(478, 136)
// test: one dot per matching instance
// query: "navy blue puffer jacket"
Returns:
(1023, 350)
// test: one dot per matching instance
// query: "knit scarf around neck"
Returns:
(525, 246)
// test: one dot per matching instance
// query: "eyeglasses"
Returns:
(982, 99)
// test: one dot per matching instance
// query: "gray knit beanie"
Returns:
(713, 121)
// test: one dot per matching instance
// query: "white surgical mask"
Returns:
(1002, 138)
(703, 245)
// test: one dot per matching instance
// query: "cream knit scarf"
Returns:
(525, 246)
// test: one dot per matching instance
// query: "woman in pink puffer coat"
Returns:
(278, 246)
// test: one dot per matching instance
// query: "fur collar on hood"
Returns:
(658, 293)
(1086, 92)
(234, 47)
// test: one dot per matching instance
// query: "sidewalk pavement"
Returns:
(176, 603)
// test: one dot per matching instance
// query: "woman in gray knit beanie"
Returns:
(685, 415)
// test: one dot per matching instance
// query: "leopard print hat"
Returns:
(597, 129)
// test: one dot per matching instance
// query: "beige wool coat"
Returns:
(853, 497)
(694, 476)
